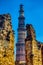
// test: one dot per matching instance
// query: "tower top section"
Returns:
(21, 8)
(21, 12)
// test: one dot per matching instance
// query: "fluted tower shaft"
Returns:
(20, 46)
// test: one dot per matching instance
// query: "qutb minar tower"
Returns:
(20, 46)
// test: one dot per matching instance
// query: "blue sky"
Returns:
(33, 14)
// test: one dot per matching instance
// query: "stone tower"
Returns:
(20, 46)
(33, 47)
(6, 41)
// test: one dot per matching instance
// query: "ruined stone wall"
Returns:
(33, 47)
(6, 41)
